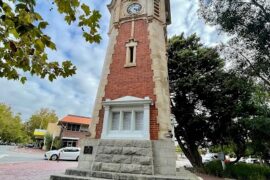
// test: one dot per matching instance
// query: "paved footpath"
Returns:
(40, 170)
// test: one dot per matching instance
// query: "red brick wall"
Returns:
(74, 134)
(133, 81)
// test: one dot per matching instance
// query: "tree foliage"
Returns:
(23, 42)
(52, 143)
(11, 126)
(248, 22)
(40, 120)
(210, 106)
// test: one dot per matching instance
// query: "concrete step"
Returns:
(120, 176)
(70, 177)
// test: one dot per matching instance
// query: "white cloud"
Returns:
(76, 95)
(185, 19)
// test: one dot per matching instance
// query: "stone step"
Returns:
(70, 177)
(120, 176)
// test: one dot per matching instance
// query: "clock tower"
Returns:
(133, 96)
(130, 136)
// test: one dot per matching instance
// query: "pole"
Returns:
(41, 122)
(52, 142)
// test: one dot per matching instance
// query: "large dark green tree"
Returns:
(259, 131)
(23, 43)
(248, 23)
(210, 105)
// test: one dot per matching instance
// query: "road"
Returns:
(29, 164)
(10, 154)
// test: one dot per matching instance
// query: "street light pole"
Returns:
(41, 122)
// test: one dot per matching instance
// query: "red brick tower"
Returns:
(131, 118)
(133, 96)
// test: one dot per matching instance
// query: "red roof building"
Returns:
(73, 128)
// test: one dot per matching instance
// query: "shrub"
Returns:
(57, 143)
(239, 171)
(214, 168)
(48, 141)
(244, 171)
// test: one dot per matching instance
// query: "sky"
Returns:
(76, 94)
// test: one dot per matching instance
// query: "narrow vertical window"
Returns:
(156, 8)
(138, 121)
(131, 54)
(127, 121)
(115, 121)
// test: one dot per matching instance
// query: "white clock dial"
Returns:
(134, 8)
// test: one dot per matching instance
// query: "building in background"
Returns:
(39, 137)
(73, 128)
(53, 129)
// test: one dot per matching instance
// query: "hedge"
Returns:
(239, 171)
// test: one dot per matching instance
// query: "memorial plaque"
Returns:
(88, 150)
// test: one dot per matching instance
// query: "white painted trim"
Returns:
(127, 104)
(127, 100)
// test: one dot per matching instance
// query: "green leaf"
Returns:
(15, 33)
(43, 25)
(23, 79)
(52, 45)
(86, 9)
(39, 45)
(28, 18)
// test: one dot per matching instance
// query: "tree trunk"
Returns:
(237, 160)
(192, 153)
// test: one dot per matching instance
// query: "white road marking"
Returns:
(3, 155)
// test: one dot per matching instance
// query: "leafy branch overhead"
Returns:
(248, 23)
(23, 43)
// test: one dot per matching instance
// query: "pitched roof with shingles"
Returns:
(76, 119)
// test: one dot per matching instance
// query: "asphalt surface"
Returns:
(29, 164)
(10, 154)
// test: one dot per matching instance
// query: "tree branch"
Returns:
(266, 81)
(261, 7)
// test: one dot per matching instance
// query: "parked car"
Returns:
(249, 160)
(67, 153)
(29, 145)
(253, 161)
(209, 157)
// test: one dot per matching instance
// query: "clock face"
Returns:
(134, 8)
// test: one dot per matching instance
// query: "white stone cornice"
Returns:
(127, 100)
